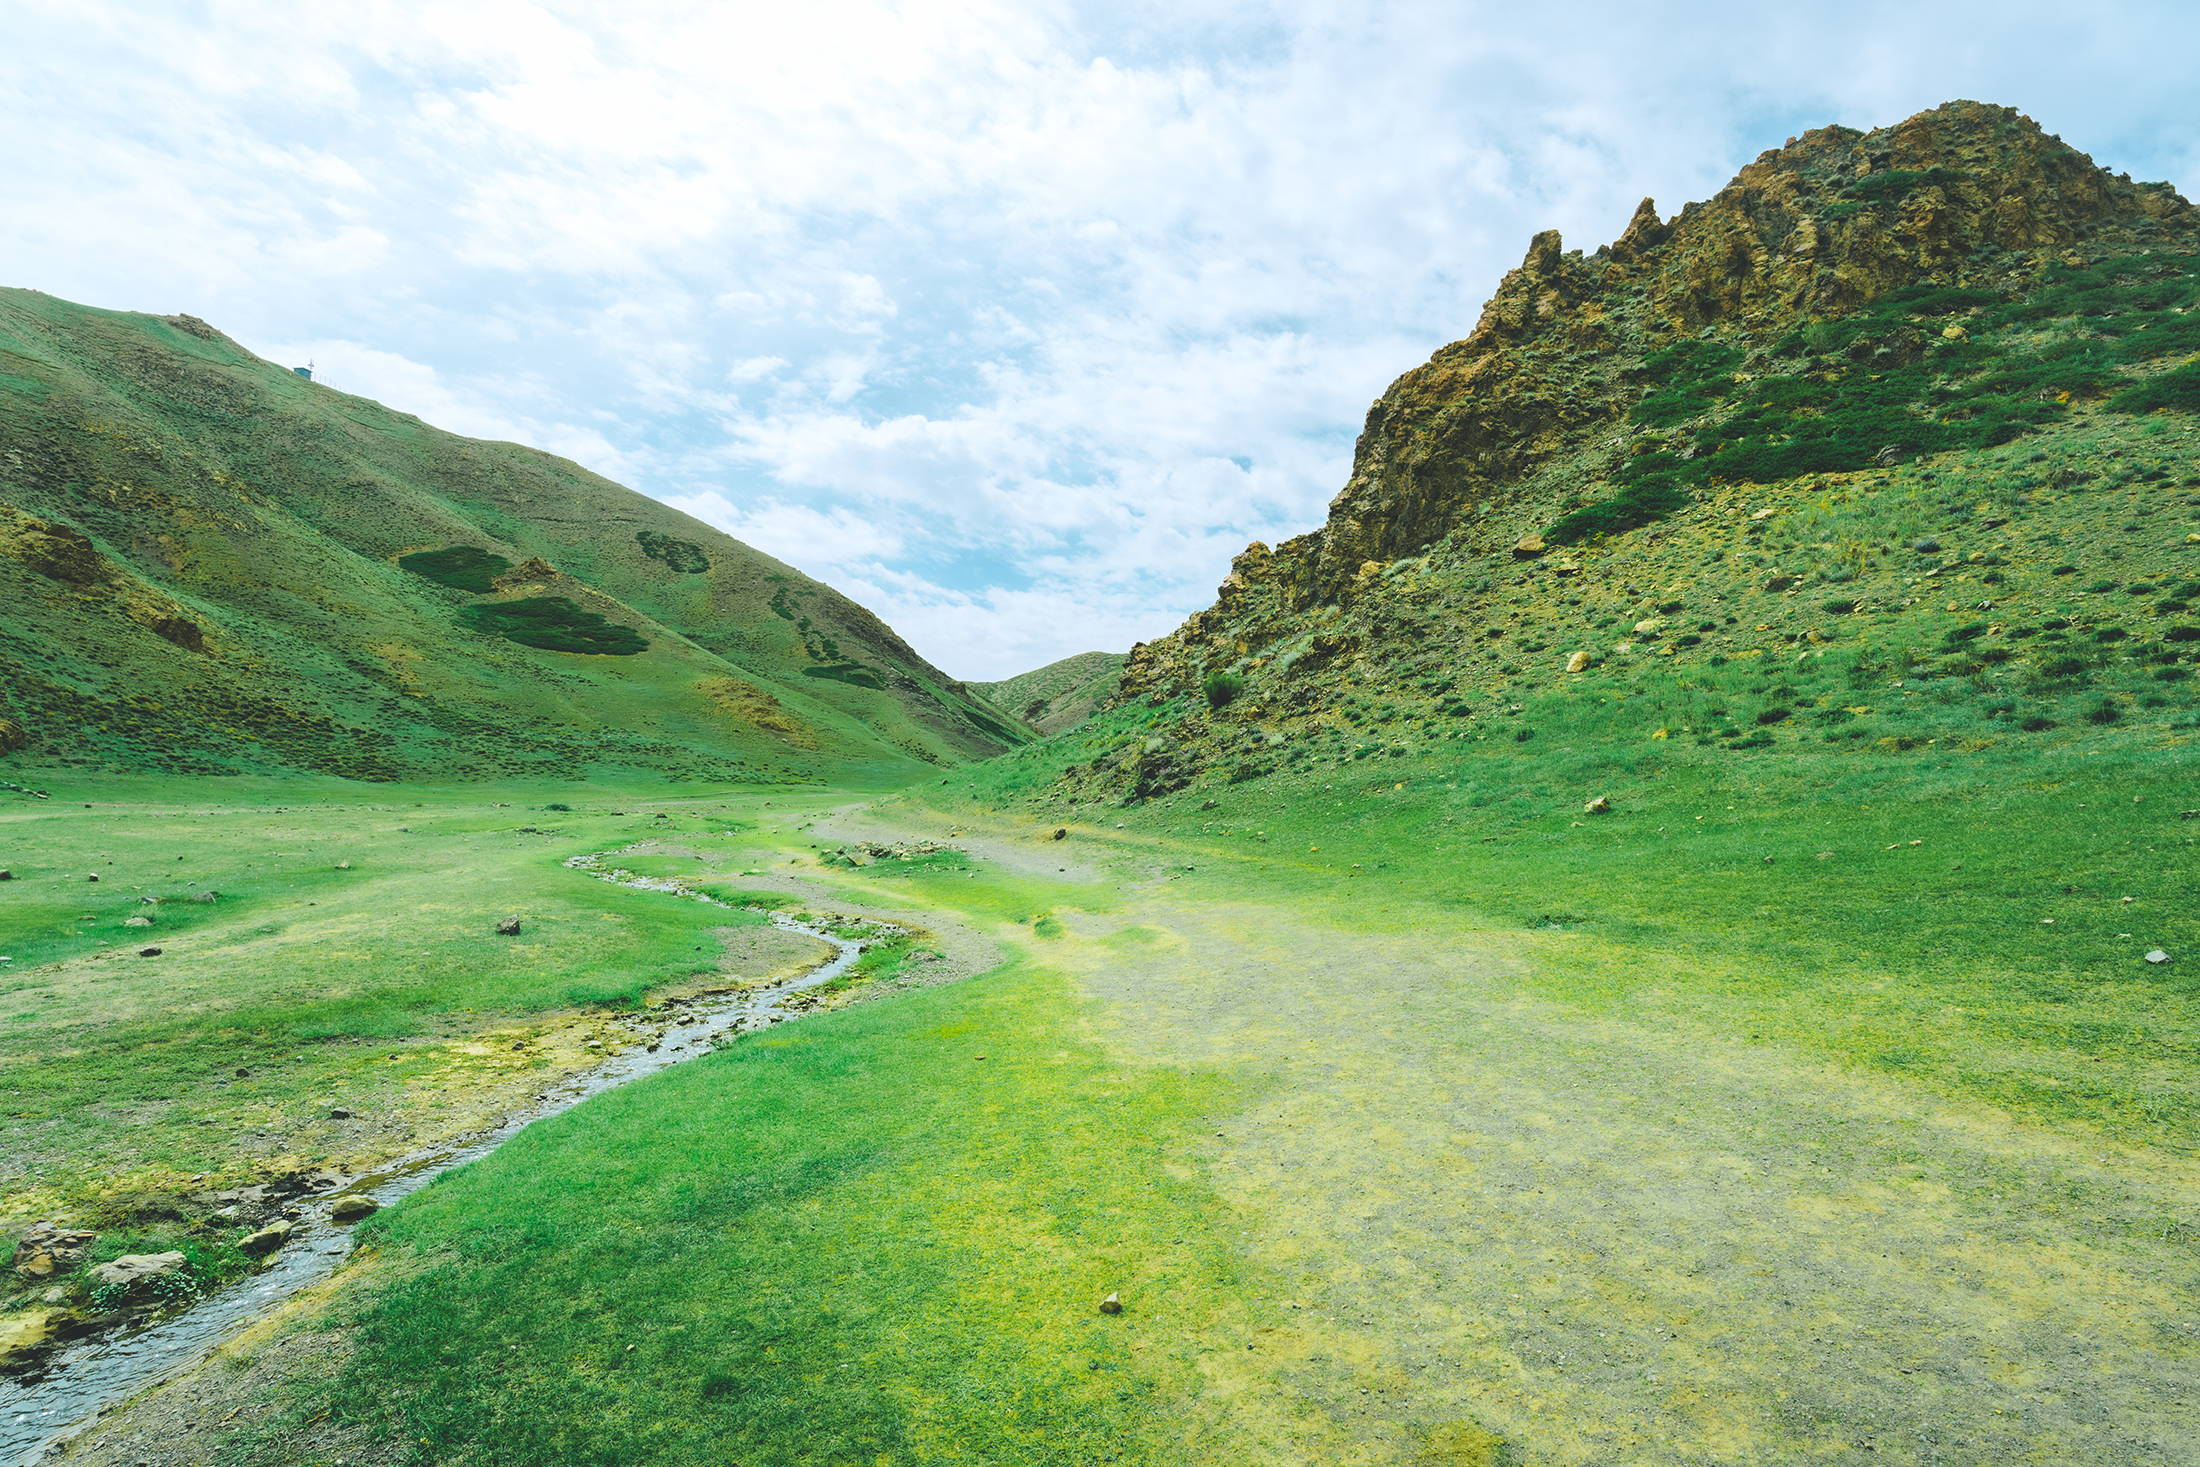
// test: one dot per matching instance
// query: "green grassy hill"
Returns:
(1060, 695)
(211, 565)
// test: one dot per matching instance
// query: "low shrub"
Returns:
(461, 567)
(555, 624)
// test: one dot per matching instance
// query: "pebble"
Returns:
(2157, 957)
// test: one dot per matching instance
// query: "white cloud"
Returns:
(1014, 320)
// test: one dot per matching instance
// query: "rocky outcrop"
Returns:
(1966, 194)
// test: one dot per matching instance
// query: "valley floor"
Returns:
(1370, 1187)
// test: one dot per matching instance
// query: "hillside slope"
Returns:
(1888, 446)
(209, 564)
(1060, 695)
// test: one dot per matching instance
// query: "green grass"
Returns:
(856, 1240)
(1966, 914)
(350, 942)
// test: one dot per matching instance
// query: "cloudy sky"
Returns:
(1013, 321)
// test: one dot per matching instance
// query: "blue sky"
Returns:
(1013, 321)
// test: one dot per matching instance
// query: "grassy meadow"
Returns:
(877, 1235)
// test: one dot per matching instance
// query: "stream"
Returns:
(81, 1380)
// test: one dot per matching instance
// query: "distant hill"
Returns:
(209, 564)
(1061, 694)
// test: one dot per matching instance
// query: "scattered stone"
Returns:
(1768, 860)
(135, 1268)
(1601, 805)
(1954, 333)
(1061, 832)
(148, 952)
(47, 1250)
(1579, 662)
(137, 921)
(1529, 546)
(1113, 1304)
(266, 1240)
(1650, 627)
(7, 876)
(338, 1113)
(351, 1209)
(1778, 583)
(93, 877)
(207, 896)
(509, 927)
(2157, 957)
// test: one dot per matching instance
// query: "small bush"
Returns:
(2106, 713)
(1222, 688)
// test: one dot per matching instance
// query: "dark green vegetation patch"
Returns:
(555, 624)
(461, 567)
(846, 672)
(684, 556)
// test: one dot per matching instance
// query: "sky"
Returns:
(1013, 322)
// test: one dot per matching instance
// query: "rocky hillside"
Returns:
(1921, 397)
(1060, 695)
(209, 564)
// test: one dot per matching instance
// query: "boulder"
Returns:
(351, 1209)
(137, 921)
(509, 927)
(266, 1240)
(1061, 832)
(1113, 1304)
(148, 952)
(1529, 546)
(1579, 662)
(1601, 805)
(7, 876)
(135, 1268)
(2157, 957)
(339, 1114)
(93, 877)
(207, 896)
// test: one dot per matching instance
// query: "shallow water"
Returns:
(84, 1378)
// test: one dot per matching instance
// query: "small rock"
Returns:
(1768, 860)
(1954, 333)
(1601, 805)
(1061, 832)
(2157, 957)
(7, 876)
(351, 1209)
(148, 952)
(1529, 546)
(131, 1268)
(93, 877)
(338, 1113)
(1579, 662)
(343, 865)
(137, 921)
(1778, 583)
(207, 896)
(1113, 1304)
(266, 1240)
(509, 927)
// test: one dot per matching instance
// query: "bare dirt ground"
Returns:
(1614, 1241)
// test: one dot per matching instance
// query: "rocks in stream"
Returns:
(266, 1240)
(351, 1209)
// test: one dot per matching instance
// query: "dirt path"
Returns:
(1617, 1242)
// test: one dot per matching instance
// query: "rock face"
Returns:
(1965, 195)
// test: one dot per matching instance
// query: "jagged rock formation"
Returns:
(1965, 195)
